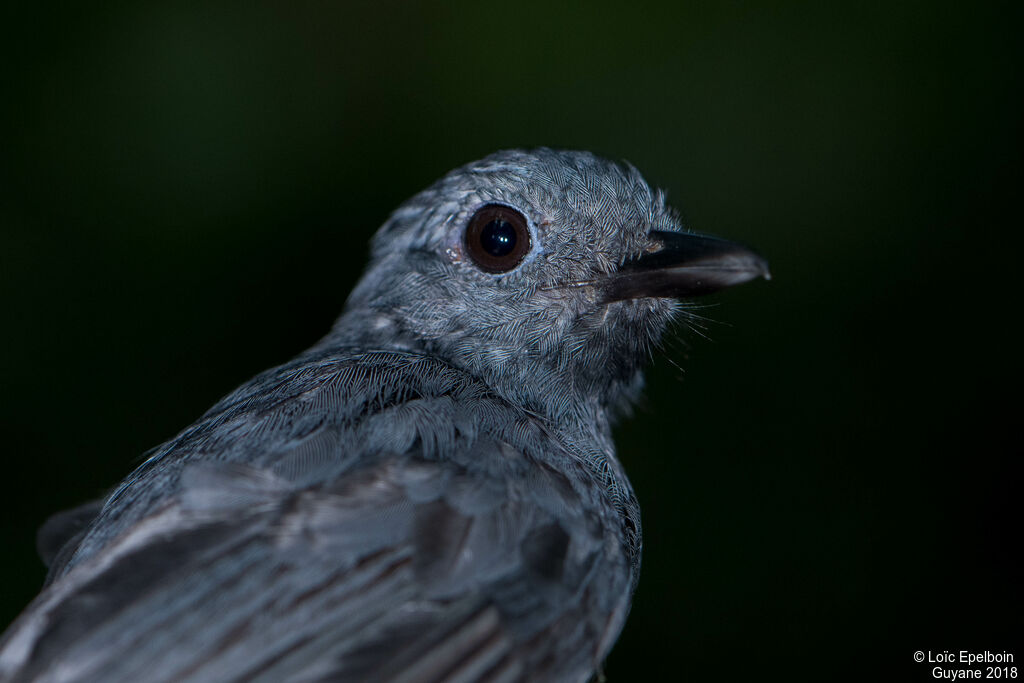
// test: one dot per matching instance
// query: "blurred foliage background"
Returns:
(829, 482)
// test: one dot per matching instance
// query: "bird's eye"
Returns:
(497, 238)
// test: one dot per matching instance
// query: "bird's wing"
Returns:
(406, 569)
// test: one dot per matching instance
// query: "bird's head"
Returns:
(548, 274)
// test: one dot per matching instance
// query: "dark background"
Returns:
(828, 484)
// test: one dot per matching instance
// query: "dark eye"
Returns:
(497, 238)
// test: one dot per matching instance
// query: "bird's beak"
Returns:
(684, 265)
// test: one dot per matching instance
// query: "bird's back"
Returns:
(348, 516)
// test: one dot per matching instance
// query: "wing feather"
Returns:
(406, 570)
(340, 519)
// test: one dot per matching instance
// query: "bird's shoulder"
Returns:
(312, 420)
(406, 562)
(365, 512)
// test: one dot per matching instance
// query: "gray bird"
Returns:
(431, 492)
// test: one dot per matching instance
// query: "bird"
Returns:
(430, 492)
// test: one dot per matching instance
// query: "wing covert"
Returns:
(406, 568)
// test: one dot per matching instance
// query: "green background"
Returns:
(829, 482)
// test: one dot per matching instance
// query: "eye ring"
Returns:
(497, 238)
